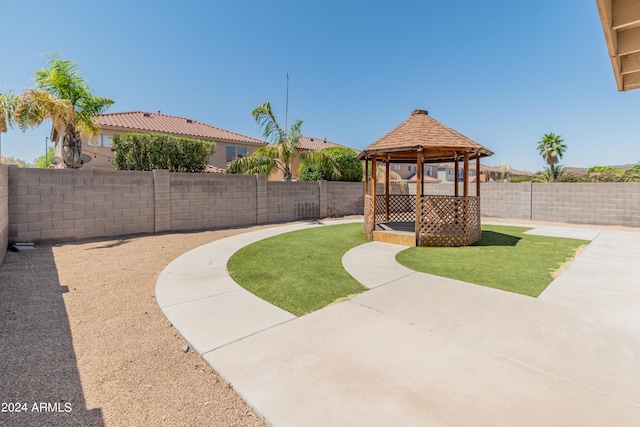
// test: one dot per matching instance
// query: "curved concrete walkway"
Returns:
(419, 349)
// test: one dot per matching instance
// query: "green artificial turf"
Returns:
(505, 259)
(300, 271)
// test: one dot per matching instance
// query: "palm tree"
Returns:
(65, 98)
(549, 175)
(282, 151)
(551, 148)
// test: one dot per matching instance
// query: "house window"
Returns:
(106, 140)
(235, 152)
(429, 170)
(100, 141)
(413, 168)
(397, 167)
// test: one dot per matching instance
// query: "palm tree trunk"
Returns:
(71, 148)
(553, 172)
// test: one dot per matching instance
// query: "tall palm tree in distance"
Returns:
(551, 148)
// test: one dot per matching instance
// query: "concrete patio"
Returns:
(418, 349)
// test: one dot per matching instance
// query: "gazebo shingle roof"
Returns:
(439, 142)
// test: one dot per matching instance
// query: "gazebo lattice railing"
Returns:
(442, 220)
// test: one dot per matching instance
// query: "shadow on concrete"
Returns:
(492, 238)
(38, 370)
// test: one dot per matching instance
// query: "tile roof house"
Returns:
(444, 172)
(229, 145)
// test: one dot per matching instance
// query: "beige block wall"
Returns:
(46, 205)
(345, 198)
(610, 203)
(578, 203)
(506, 200)
(203, 201)
(290, 201)
(66, 205)
(4, 210)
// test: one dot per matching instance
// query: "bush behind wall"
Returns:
(149, 151)
(350, 167)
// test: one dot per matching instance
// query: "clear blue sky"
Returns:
(503, 73)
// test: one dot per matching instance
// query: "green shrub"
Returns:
(517, 179)
(607, 175)
(310, 172)
(572, 177)
(350, 168)
(598, 169)
(149, 151)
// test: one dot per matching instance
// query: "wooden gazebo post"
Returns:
(456, 172)
(465, 177)
(477, 174)
(366, 176)
(419, 183)
(373, 189)
(386, 189)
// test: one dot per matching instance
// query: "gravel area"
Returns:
(83, 341)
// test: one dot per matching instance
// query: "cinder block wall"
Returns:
(291, 201)
(579, 203)
(67, 205)
(607, 203)
(345, 198)
(506, 200)
(201, 201)
(4, 210)
(54, 205)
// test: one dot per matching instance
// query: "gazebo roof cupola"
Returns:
(438, 142)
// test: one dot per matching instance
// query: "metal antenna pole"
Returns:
(286, 110)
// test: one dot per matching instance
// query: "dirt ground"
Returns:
(83, 341)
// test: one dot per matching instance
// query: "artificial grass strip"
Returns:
(300, 271)
(505, 259)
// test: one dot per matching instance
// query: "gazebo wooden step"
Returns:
(404, 238)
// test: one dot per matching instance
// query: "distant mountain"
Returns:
(11, 161)
(583, 171)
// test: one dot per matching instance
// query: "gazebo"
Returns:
(422, 219)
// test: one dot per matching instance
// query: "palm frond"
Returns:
(252, 165)
(271, 130)
(270, 151)
(34, 106)
(8, 103)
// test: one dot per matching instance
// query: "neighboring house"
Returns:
(305, 143)
(445, 172)
(229, 145)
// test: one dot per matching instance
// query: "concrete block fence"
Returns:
(615, 203)
(605, 203)
(4, 210)
(46, 205)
